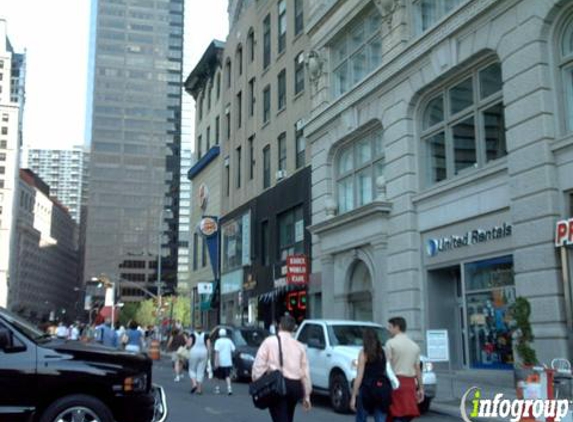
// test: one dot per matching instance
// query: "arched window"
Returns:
(357, 167)
(463, 125)
(566, 66)
(251, 44)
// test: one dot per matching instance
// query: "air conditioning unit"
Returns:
(281, 174)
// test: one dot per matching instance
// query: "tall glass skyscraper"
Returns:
(134, 132)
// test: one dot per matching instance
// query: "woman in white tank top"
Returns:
(198, 356)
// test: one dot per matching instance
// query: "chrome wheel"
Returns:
(77, 414)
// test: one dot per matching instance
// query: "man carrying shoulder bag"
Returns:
(294, 369)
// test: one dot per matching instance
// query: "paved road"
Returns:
(184, 407)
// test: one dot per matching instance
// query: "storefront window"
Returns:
(291, 233)
(490, 292)
(236, 243)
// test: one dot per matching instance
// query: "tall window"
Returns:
(251, 158)
(239, 164)
(228, 73)
(199, 146)
(267, 41)
(428, 12)
(195, 250)
(566, 66)
(265, 243)
(299, 73)
(267, 104)
(208, 139)
(204, 253)
(218, 85)
(201, 100)
(209, 94)
(217, 129)
(356, 52)
(358, 165)
(282, 151)
(281, 89)
(300, 145)
(239, 60)
(463, 125)
(251, 45)
(239, 108)
(282, 25)
(291, 233)
(227, 177)
(298, 17)
(228, 121)
(267, 167)
(252, 97)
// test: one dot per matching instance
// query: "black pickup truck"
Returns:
(43, 379)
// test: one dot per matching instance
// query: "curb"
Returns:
(454, 411)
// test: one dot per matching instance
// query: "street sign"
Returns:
(205, 288)
(297, 269)
(438, 345)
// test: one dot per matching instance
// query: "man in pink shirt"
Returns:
(295, 369)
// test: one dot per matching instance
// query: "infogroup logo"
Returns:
(514, 410)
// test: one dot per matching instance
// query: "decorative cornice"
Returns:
(372, 209)
(416, 50)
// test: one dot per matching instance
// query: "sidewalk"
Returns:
(452, 408)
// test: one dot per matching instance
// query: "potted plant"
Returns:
(525, 357)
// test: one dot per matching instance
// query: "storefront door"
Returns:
(360, 296)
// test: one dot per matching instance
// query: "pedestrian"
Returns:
(295, 369)
(179, 353)
(224, 348)
(134, 343)
(106, 335)
(404, 356)
(372, 391)
(61, 331)
(199, 345)
(74, 332)
(122, 337)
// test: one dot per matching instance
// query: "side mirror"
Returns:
(5, 340)
(315, 343)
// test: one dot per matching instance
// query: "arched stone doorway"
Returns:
(360, 293)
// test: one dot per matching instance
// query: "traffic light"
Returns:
(302, 300)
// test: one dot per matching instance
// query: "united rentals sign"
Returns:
(472, 237)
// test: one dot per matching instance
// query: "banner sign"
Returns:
(205, 288)
(564, 233)
(209, 227)
(297, 269)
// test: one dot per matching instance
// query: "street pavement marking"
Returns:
(213, 411)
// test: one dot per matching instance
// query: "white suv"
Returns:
(333, 348)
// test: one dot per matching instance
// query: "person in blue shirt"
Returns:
(134, 338)
(106, 335)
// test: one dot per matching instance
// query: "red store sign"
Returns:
(297, 269)
(564, 233)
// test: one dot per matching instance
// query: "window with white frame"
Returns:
(298, 16)
(428, 12)
(463, 124)
(357, 52)
(357, 167)
(299, 73)
(282, 157)
(281, 90)
(566, 66)
(282, 25)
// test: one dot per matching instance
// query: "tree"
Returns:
(128, 313)
(146, 313)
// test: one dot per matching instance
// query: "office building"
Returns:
(134, 126)
(46, 283)
(12, 75)
(65, 171)
(443, 157)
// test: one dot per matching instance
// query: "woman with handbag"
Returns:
(372, 391)
(285, 354)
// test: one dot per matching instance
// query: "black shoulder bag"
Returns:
(269, 388)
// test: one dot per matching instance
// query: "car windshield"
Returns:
(23, 326)
(248, 337)
(351, 335)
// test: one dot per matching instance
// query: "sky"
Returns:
(55, 34)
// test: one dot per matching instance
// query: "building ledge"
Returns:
(204, 162)
(381, 208)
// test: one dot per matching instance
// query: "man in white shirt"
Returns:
(224, 349)
(62, 331)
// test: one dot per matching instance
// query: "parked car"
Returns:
(333, 348)
(43, 379)
(247, 341)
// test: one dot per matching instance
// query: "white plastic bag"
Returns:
(209, 369)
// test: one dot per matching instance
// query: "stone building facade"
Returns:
(442, 156)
